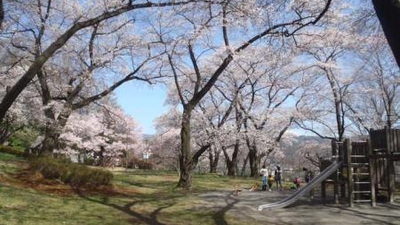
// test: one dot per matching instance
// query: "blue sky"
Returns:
(143, 102)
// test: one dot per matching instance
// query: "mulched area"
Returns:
(35, 180)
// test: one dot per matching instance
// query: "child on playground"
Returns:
(297, 182)
(278, 177)
(309, 175)
(271, 180)
(264, 175)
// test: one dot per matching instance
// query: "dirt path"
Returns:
(303, 211)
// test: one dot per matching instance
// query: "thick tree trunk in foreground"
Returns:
(214, 160)
(185, 161)
(253, 159)
(388, 12)
(1, 13)
(231, 164)
(53, 131)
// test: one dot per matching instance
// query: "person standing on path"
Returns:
(264, 179)
(278, 178)
(309, 175)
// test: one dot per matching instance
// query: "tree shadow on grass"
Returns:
(230, 202)
(219, 217)
(151, 219)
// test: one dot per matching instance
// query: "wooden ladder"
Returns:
(360, 192)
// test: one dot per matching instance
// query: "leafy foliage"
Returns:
(143, 164)
(23, 138)
(12, 151)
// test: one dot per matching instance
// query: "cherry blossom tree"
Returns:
(233, 143)
(194, 68)
(312, 152)
(165, 143)
(212, 125)
(267, 100)
(223, 30)
(201, 39)
(104, 135)
(230, 135)
(377, 102)
(22, 28)
(104, 70)
(95, 62)
(26, 111)
(326, 108)
(209, 125)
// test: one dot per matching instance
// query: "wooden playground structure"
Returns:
(368, 171)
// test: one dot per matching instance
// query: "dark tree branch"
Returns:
(388, 12)
(1, 13)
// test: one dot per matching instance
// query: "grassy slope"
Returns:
(138, 197)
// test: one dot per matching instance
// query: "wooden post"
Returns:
(312, 194)
(389, 165)
(342, 153)
(392, 178)
(336, 175)
(350, 183)
(372, 173)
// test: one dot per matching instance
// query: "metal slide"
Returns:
(304, 190)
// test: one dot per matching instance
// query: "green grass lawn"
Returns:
(138, 197)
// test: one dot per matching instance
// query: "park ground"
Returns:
(305, 211)
(151, 198)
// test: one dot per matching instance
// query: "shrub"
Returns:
(50, 168)
(79, 178)
(22, 139)
(145, 165)
(139, 163)
(84, 176)
(88, 161)
(69, 173)
(13, 151)
(99, 177)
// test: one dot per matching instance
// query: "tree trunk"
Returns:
(50, 142)
(6, 130)
(242, 173)
(388, 12)
(185, 161)
(54, 130)
(1, 14)
(231, 163)
(214, 159)
(185, 178)
(253, 157)
(253, 161)
(337, 96)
